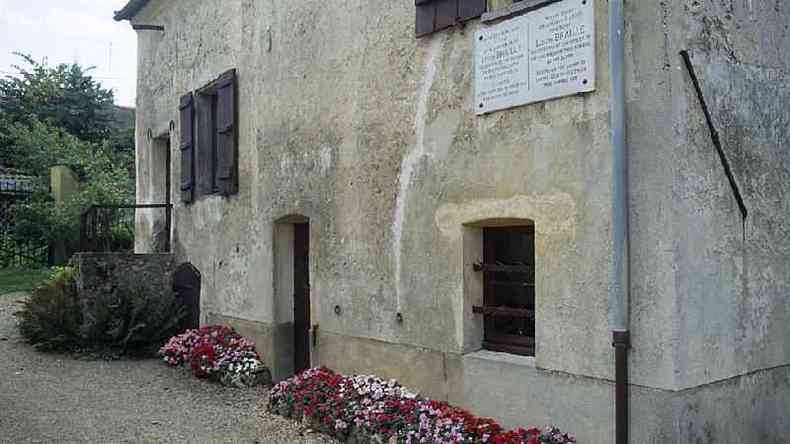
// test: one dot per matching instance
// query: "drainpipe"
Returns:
(618, 292)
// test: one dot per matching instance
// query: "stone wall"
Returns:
(110, 273)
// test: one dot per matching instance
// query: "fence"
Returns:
(14, 252)
(112, 228)
(12, 190)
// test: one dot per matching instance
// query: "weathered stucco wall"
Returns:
(709, 288)
(373, 139)
(347, 119)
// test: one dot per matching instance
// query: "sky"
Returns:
(65, 31)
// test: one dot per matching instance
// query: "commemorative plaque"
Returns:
(544, 54)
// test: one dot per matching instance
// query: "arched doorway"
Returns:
(292, 292)
(186, 285)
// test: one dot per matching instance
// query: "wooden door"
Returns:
(301, 297)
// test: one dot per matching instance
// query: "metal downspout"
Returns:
(619, 288)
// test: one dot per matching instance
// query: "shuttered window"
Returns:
(435, 15)
(508, 289)
(213, 159)
(187, 146)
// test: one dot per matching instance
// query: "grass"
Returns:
(14, 280)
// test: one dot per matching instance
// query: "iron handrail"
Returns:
(96, 233)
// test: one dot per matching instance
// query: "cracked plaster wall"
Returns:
(347, 119)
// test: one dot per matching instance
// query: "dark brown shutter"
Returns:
(426, 16)
(205, 152)
(187, 114)
(469, 9)
(435, 15)
(446, 14)
(227, 149)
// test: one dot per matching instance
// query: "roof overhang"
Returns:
(130, 10)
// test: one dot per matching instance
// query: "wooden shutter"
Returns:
(187, 114)
(469, 9)
(435, 15)
(227, 147)
(205, 153)
(446, 14)
(426, 16)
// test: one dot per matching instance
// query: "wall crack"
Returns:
(714, 134)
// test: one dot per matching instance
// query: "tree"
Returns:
(63, 96)
(52, 115)
(106, 173)
(62, 116)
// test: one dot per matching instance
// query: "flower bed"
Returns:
(217, 352)
(363, 409)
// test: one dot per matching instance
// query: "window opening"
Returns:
(508, 269)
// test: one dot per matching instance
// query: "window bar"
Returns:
(504, 311)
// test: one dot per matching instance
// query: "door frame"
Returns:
(283, 303)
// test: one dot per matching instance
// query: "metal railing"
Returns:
(112, 228)
(18, 252)
(16, 185)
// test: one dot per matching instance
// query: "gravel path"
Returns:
(54, 398)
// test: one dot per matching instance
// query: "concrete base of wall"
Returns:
(511, 389)
(748, 408)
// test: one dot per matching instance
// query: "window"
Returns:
(435, 15)
(508, 269)
(209, 158)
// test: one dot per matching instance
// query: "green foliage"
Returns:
(63, 96)
(34, 146)
(121, 238)
(132, 321)
(61, 116)
(40, 220)
(50, 318)
(120, 322)
(16, 253)
(108, 182)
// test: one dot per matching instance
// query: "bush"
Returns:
(370, 409)
(50, 318)
(218, 352)
(130, 322)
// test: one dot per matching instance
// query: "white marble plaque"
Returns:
(544, 54)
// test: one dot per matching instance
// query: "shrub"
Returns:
(117, 322)
(217, 352)
(50, 318)
(131, 321)
(370, 409)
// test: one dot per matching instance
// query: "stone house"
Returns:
(346, 204)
